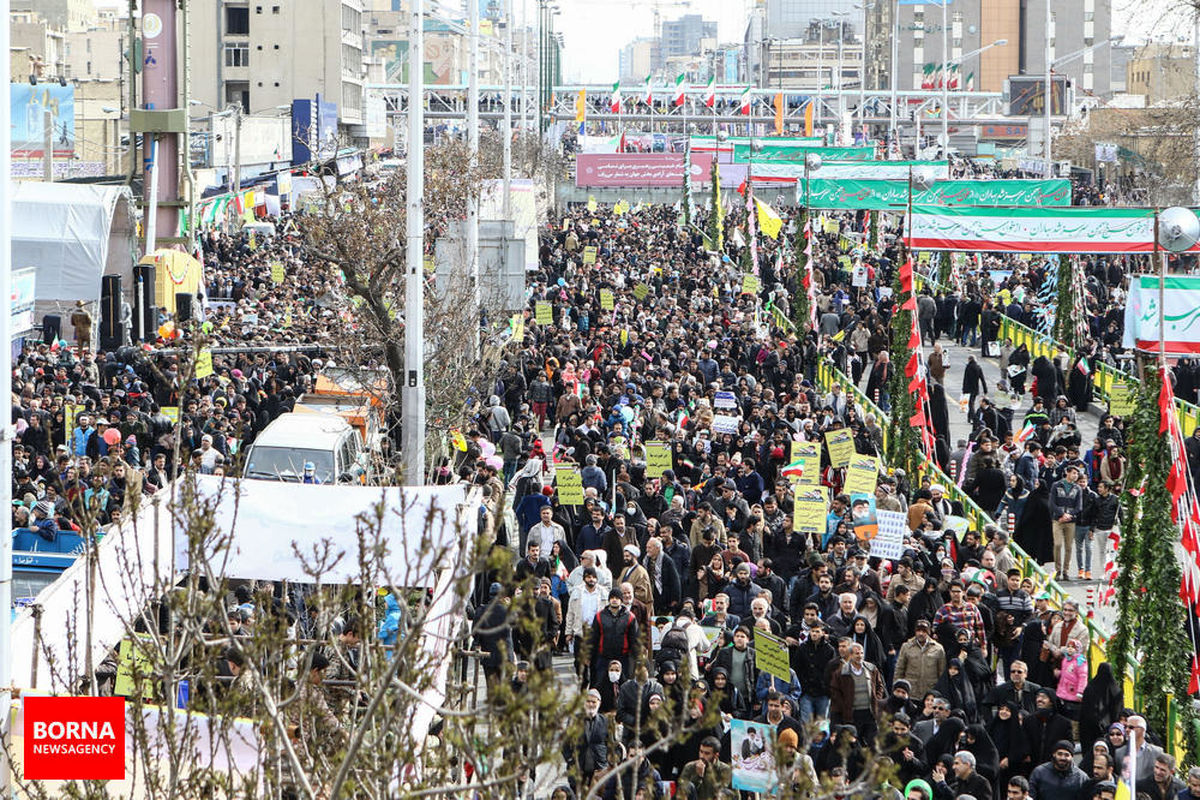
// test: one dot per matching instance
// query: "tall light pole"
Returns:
(895, 75)
(473, 148)
(841, 25)
(946, 69)
(1196, 90)
(412, 394)
(507, 131)
(862, 70)
(946, 83)
(1048, 170)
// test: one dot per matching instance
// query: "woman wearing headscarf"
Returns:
(956, 687)
(924, 605)
(1101, 704)
(842, 750)
(987, 758)
(1013, 503)
(945, 741)
(1012, 749)
(862, 633)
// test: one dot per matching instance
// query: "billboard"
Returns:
(376, 114)
(263, 140)
(314, 130)
(28, 105)
(1024, 95)
(629, 169)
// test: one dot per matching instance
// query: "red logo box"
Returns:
(74, 738)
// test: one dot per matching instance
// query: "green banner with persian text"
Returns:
(882, 195)
(777, 152)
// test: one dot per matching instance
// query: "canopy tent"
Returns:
(268, 524)
(72, 235)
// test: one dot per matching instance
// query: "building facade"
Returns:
(265, 55)
(1161, 73)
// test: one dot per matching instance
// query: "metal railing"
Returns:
(828, 375)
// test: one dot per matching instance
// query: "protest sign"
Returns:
(589, 255)
(771, 656)
(752, 745)
(810, 509)
(1120, 400)
(543, 313)
(204, 363)
(841, 447)
(277, 273)
(606, 300)
(725, 424)
(808, 456)
(641, 291)
(862, 515)
(658, 458)
(861, 474)
(724, 400)
(570, 486)
(893, 527)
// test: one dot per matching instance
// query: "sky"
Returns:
(594, 31)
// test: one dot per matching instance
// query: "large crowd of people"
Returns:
(948, 660)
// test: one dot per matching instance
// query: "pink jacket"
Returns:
(1072, 679)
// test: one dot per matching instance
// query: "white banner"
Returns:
(1181, 302)
(1033, 230)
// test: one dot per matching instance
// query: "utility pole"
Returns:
(1196, 92)
(507, 131)
(5, 391)
(894, 78)
(412, 395)
(946, 82)
(473, 147)
(1046, 100)
(47, 146)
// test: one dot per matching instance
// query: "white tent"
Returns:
(267, 523)
(73, 234)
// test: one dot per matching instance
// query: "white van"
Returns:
(327, 440)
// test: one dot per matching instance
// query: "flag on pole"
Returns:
(808, 118)
(768, 221)
(679, 89)
(779, 114)
(1024, 434)
(710, 93)
(794, 469)
(745, 107)
(616, 98)
(581, 106)
(649, 93)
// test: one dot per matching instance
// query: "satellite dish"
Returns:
(1178, 229)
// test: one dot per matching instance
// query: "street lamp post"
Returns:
(841, 26)
(946, 82)
(862, 69)
(1046, 98)
(412, 394)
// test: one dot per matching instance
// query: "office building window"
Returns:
(237, 54)
(237, 20)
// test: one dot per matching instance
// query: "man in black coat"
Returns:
(965, 781)
(587, 751)
(973, 383)
(1045, 727)
(664, 577)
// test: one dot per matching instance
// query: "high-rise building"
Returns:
(1078, 48)
(790, 19)
(681, 37)
(1161, 72)
(265, 54)
(638, 59)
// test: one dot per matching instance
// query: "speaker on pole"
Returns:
(145, 316)
(111, 333)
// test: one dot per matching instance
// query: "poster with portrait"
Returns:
(862, 516)
(752, 745)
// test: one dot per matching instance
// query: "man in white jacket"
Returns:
(585, 602)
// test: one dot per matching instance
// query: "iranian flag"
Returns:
(615, 105)
(710, 93)
(1023, 435)
(679, 89)
(745, 107)
(649, 93)
(794, 470)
